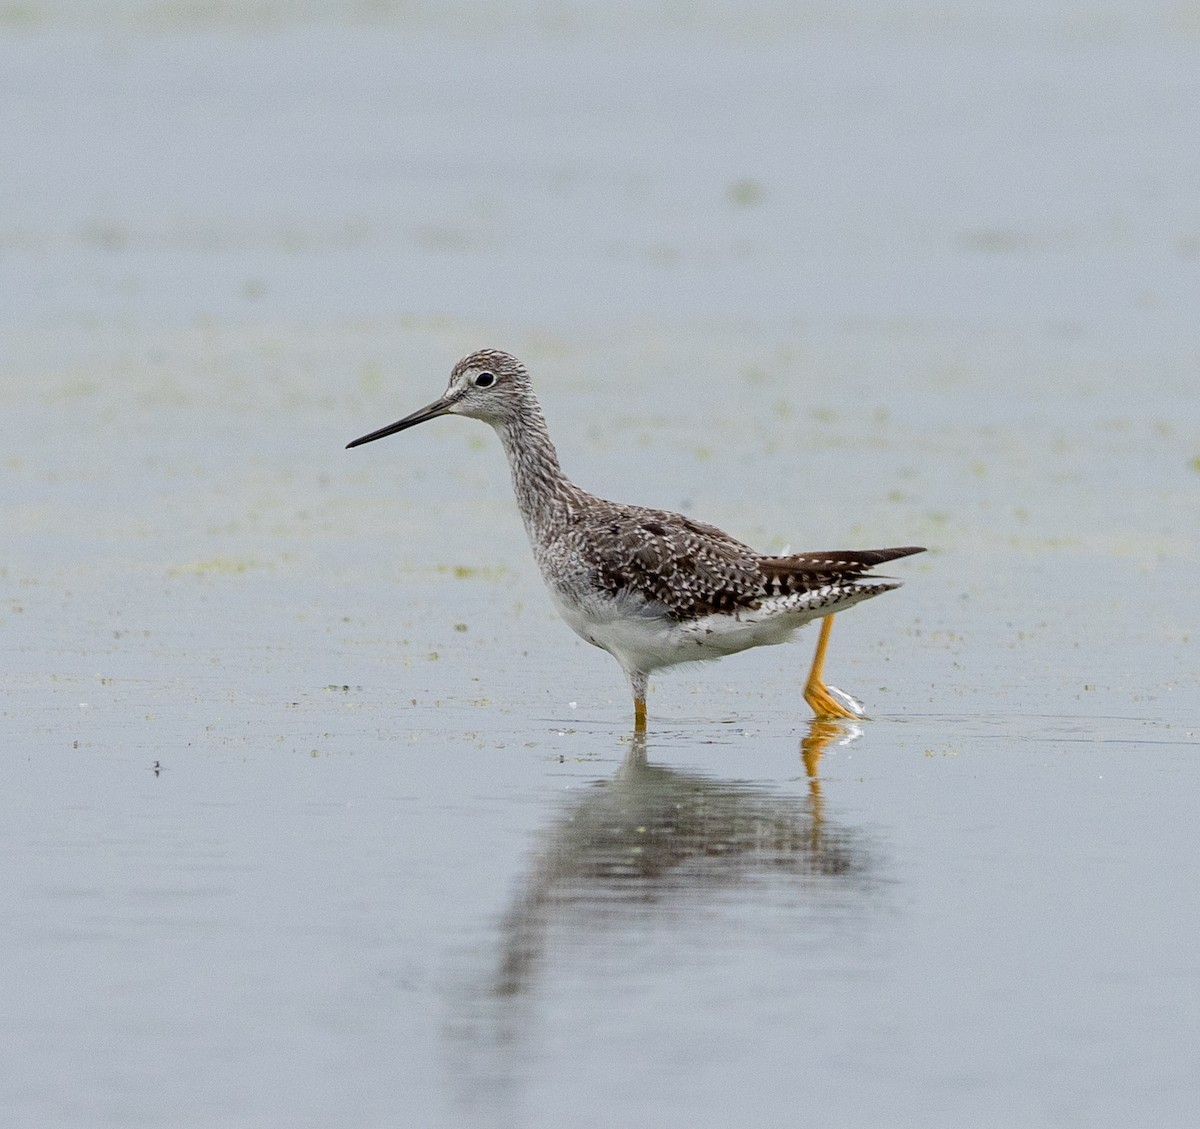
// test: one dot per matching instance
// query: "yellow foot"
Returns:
(829, 701)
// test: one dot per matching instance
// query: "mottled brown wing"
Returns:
(688, 567)
(694, 569)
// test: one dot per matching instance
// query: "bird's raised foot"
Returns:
(828, 702)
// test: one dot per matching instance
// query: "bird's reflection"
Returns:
(652, 833)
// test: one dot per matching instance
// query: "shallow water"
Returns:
(315, 814)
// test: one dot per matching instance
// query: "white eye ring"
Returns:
(485, 380)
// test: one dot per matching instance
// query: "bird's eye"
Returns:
(485, 380)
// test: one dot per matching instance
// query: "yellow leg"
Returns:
(822, 701)
(637, 683)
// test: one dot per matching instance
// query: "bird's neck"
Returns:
(544, 494)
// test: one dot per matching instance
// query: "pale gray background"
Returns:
(825, 274)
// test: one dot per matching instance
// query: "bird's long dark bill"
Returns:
(431, 411)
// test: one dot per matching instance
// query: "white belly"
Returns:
(643, 639)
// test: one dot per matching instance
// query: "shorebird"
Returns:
(651, 587)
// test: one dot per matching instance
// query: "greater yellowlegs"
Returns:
(652, 588)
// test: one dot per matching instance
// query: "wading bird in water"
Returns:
(651, 587)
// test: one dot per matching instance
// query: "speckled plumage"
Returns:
(653, 588)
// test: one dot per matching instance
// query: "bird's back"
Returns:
(691, 569)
